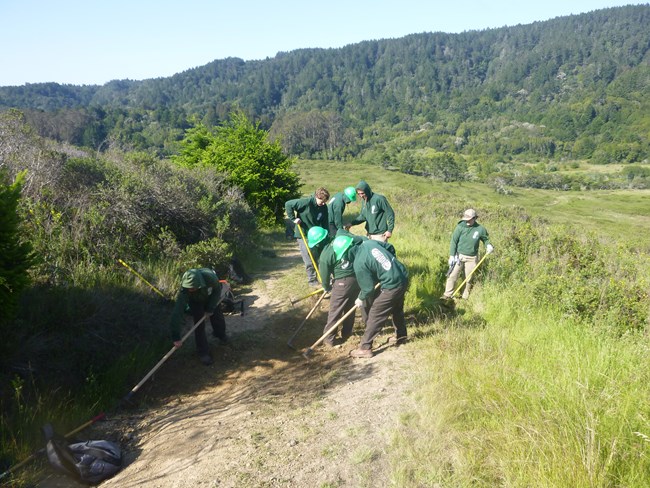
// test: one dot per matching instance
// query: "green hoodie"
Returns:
(208, 292)
(466, 238)
(308, 211)
(375, 263)
(329, 266)
(336, 207)
(376, 212)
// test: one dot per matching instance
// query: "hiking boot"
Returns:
(206, 359)
(361, 353)
(395, 341)
(314, 284)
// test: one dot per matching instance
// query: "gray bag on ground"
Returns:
(89, 462)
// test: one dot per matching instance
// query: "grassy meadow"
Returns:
(542, 377)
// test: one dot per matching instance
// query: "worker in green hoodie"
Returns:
(336, 207)
(308, 212)
(336, 269)
(375, 262)
(200, 292)
(463, 251)
(376, 212)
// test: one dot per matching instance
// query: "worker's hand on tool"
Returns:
(358, 303)
(452, 260)
(347, 226)
(178, 344)
(297, 221)
(210, 314)
(489, 248)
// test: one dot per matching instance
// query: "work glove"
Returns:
(489, 248)
(358, 303)
(297, 221)
(452, 260)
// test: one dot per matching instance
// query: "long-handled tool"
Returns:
(142, 278)
(290, 341)
(165, 357)
(293, 302)
(302, 234)
(42, 450)
(468, 276)
(310, 349)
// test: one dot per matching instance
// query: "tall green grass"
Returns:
(528, 399)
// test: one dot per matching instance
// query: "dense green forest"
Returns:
(453, 106)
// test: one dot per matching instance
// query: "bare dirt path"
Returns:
(262, 415)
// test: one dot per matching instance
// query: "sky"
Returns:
(91, 42)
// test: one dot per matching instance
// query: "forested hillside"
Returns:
(574, 87)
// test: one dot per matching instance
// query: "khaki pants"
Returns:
(468, 263)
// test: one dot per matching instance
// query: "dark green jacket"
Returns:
(328, 266)
(376, 212)
(308, 212)
(336, 207)
(466, 238)
(374, 263)
(208, 293)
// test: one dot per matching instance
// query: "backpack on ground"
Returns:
(89, 462)
(229, 303)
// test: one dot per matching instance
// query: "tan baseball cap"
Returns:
(469, 214)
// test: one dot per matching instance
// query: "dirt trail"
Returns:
(262, 415)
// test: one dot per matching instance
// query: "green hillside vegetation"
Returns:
(546, 362)
(455, 106)
(541, 378)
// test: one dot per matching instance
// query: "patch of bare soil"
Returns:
(263, 415)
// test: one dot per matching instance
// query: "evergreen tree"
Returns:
(15, 254)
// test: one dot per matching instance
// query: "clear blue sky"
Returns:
(95, 41)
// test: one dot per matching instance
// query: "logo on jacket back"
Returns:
(345, 264)
(381, 259)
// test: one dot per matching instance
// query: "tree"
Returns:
(241, 150)
(15, 254)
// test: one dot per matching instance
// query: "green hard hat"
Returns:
(351, 193)
(340, 245)
(315, 235)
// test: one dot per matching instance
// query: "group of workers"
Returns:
(357, 271)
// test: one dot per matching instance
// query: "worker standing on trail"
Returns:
(306, 213)
(463, 251)
(376, 212)
(336, 269)
(336, 207)
(200, 291)
(375, 262)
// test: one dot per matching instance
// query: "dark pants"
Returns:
(217, 321)
(387, 303)
(309, 266)
(344, 292)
